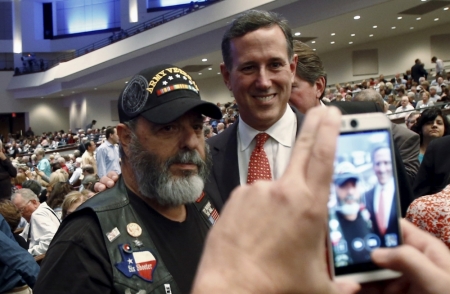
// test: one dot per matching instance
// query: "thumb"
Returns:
(407, 260)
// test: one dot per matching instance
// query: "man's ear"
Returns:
(320, 86)
(293, 66)
(225, 75)
(124, 134)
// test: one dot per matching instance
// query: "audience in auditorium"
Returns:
(430, 125)
(7, 171)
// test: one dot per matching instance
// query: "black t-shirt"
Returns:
(77, 261)
(352, 231)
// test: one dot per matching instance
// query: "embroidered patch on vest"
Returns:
(211, 213)
(139, 263)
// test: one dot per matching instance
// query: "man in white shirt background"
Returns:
(405, 106)
(107, 155)
(439, 65)
(42, 221)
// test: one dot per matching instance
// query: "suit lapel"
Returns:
(226, 165)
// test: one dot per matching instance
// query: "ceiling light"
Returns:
(218, 73)
(333, 34)
(375, 27)
(204, 59)
(352, 35)
(423, 0)
(126, 82)
(73, 92)
(371, 35)
(393, 28)
(297, 34)
(399, 17)
(436, 19)
(42, 97)
(314, 49)
(418, 18)
(332, 42)
(350, 42)
(313, 42)
(356, 17)
(95, 88)
(411, 28)
(62, 95)
(200, 73)
(446, 8)
(210, 68)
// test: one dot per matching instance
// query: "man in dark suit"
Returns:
(418, 71)
(259, 68)
(434, 172)
(381, 201)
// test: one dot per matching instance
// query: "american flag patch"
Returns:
(214, 216)
(175, 87)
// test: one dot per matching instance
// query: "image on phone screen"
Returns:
(363, 205)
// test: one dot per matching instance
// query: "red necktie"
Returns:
(258, 167)
(380, 214)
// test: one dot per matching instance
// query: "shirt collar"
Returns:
(277, 131)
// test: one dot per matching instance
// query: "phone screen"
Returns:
(363, 205)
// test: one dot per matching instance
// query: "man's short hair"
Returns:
(434, 59)
(89, 169)
(76, 153)
(251, 21)
(370, 95)
(309, 65)
(109, 131)
(87, 144)
(33, 186)
(26, 194)
(39, 151)
(206, 131)
(10, 212)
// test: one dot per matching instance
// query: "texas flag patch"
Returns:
(139, 263)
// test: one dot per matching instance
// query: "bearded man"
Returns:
(146, 234)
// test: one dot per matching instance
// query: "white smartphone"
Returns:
(364, 209)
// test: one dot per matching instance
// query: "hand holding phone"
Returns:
(363, 207)
(424, 262)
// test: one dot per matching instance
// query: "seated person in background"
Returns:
(434, 97)
(425, 102)
(431, 124)
(71, 203)
(42, 221)
(12, 216)
(87, 170)
(18, 270)
(405, 106)
(77, 172)
(62, 164)
(36, 188)
(56, 198)
(431, 213)
(411, 118)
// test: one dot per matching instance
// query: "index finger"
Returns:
(313, 154)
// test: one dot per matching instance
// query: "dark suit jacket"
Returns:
(434, 172)
(417, 71)
(224, 176)
(393, 218)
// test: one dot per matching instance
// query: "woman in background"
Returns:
(430, 125)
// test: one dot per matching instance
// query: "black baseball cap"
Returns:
(162, 94)
(344, 172)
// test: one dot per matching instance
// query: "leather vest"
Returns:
(137, 266)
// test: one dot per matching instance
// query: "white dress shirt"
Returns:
(389, 191)
(278, 147)
(401, 110)
(44, 224)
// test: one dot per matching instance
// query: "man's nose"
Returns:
(190, 139)
(263, 80)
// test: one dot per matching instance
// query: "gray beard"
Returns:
(156, 182)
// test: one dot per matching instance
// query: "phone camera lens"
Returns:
(354, 123)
